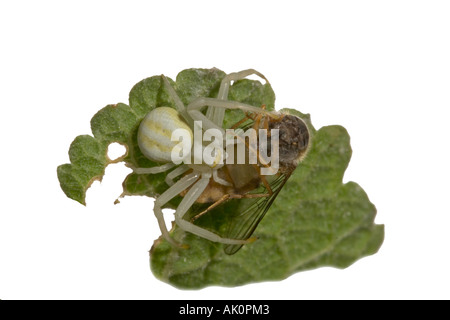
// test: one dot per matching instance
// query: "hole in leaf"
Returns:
(169, 217)
(116, 151)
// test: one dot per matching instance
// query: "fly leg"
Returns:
(232, 196)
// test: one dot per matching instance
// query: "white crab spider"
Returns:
(154, 139)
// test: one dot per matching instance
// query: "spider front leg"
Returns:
(178, 103)
(193, 109)
(217, 115)
(235, 76)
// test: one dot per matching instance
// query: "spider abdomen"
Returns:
(155, 133)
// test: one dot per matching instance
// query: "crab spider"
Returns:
(154, 139)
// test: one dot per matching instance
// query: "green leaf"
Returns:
(315, 221)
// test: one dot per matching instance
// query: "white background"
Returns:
(379, 68)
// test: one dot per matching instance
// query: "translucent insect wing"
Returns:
(244, 224)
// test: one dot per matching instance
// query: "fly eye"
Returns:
(304, 135)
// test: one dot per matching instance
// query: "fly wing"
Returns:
(244, 224)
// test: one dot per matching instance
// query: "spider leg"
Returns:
(175, 173)
(152, 170)
(201, 102)
(191, 196)
(234, 76)
(217, 115)
(193, 109)
(178, 103)
(169, 194)
(196, 115)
